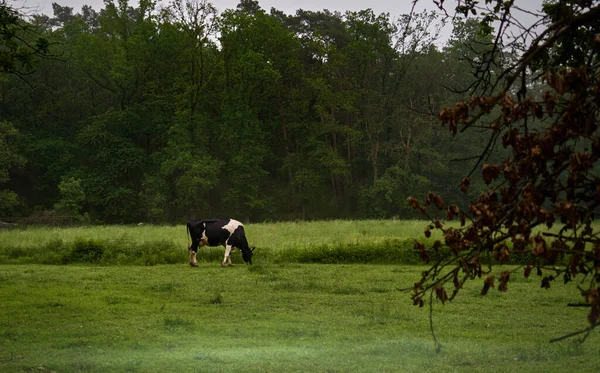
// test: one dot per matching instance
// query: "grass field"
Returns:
(282, 235)
(275, 316)
(387, 241)
(339, 241)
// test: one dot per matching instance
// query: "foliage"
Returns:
(8, 159)
(72, 198)
(542, 107)
(20, 44)
(179, 111)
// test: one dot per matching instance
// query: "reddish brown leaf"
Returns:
(445, 115)
(488, 283)
(490, 172)
(501, 253)
(439, 203)
(422, 252)
(412, 202)
(435, 199)
(464, 185)
(440, 293)
(540, 246)
(451, 212)
(503, 280)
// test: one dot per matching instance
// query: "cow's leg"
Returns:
(229, 257)
(227, 252)
(193, 261)
(193, 249)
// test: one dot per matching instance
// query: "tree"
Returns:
(20, 44)
(316, 103)
(72, 198)
(128, 63)
(551, 173)
(8, 158)
(259, 57)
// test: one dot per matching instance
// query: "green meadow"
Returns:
(339, 241)
(92, 315)
(281, 235)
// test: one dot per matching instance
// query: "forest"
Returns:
(164, 112)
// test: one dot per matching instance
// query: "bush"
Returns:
(158, 252)
(55, 252)
(87, 250)
(395, 251)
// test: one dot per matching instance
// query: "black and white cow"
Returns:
(215, 232)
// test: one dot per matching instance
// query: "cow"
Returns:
(215, 232)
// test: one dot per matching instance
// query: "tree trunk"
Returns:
(286, 146)
(374, 153)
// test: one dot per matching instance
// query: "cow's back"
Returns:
(197, 227)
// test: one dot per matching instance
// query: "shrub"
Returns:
(87, 250)
(126, 251)
(158, 252)
(390, 251)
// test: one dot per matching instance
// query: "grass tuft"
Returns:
(217, 298)
(177, 323)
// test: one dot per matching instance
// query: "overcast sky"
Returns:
(393, 7)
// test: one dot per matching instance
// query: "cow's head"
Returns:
(247, 255)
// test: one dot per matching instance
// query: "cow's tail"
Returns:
(187, 225)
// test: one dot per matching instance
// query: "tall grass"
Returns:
(339, 241)
(280, 235)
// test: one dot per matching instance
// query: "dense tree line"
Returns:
(164, 112)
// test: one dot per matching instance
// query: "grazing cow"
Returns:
(215, 232)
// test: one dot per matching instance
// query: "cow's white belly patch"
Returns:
(203, 239)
